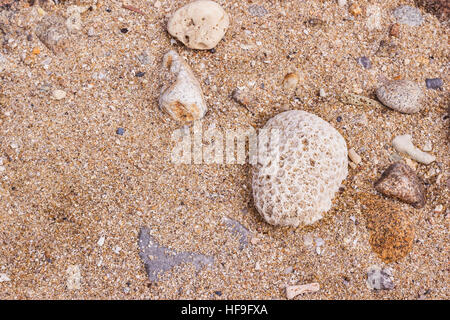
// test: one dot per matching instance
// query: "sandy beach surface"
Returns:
(82, 176)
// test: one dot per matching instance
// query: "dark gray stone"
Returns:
(238, 229)
(435, 83)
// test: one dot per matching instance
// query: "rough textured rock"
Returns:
(408, 15)
(183, 99)
(401, 95)
(440, 8)
(403, 144)
(391, 231)
(159, 259)
(199, 25)
(53, 33)
(401, 182)
(302, 169)
(380, 278)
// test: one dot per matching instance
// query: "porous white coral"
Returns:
(303, 170)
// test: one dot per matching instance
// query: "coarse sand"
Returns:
(74, 194)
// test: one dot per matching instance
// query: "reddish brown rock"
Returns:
(391, 231)
(401, 182)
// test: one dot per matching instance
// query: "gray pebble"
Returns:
(257, 11)
(380, 279)
(364, 62)
(435, 83)
(401, 95)
(408, 15)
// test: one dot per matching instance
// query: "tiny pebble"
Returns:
(59, 94)
(354, 156)
(120, 131)
(140, 74)
(257, 11)
(124, 30)
(322, 93)
(364, 62)
(4, 277)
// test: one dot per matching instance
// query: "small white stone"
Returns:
(373, 17)
(342, 3)
(101, 241)
(427, 146)
(322, 93)
(257, 266)
(59, 94)
(439, 208)
(293, 291)
(4, 277)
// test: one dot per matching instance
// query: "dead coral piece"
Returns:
(401, 182)
(293, 291)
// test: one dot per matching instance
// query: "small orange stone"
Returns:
(36, 50)
(355, 10)
(394, 30)
(398, 77)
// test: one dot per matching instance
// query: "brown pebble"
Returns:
(394, 31)
(391, 231)
(401, 182)
(241, 97)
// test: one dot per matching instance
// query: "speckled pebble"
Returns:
(401, 95)
(257, 10)
(408, 15)
(401, 182)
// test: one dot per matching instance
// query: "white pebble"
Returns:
(199, 24)
(59, 94)
(101, 241)
(4, 277)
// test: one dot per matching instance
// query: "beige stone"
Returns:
(199, 25)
